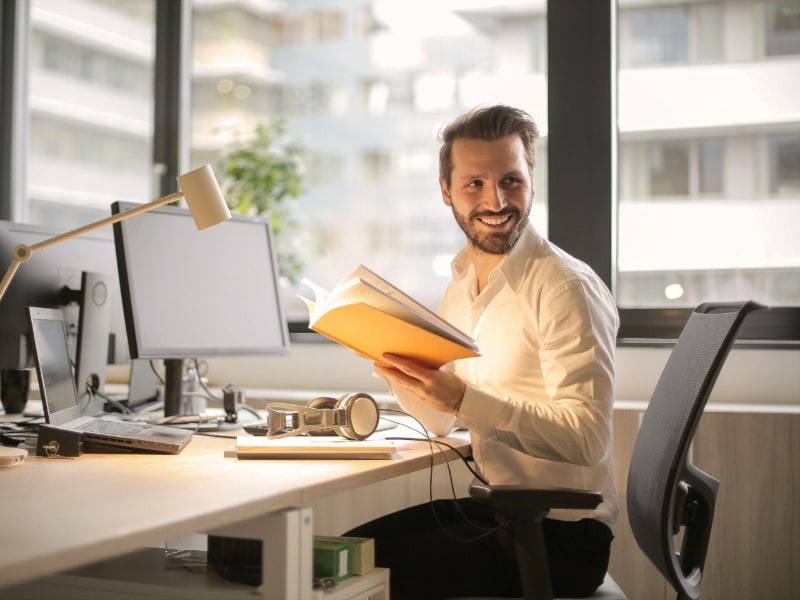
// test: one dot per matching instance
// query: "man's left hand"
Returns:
(440, 388)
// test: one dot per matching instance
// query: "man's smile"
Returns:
(495, 220)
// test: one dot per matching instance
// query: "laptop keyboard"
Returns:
(111, 427)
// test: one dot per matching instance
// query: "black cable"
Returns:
(427, 438)
(249, 409)
(155, 371)
(92, 392)
(202, 383)
(485, 531)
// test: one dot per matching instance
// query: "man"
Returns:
(537, 402)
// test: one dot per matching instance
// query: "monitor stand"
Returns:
(91, 355)
(173, 386)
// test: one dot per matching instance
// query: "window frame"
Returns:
(582, 108)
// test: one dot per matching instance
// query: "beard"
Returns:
(500, 242)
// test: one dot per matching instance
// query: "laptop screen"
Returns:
(50, 350)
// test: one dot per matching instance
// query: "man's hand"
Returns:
(440, 388)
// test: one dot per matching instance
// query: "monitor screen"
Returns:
(52, 278)
(193, 294)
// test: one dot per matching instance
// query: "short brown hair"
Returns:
(488, 124)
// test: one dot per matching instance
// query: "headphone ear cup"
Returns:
(362, 416)
(322, 402)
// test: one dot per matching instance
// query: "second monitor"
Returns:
(197, 294)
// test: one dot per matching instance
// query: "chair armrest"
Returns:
(526, 508)
(518, 497)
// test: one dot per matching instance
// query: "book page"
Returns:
(372, 332)
(365, 286)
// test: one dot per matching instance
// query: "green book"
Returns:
(333, 558)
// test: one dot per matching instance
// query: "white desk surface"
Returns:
(58, 514)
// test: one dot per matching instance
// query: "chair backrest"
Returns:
(665, 492)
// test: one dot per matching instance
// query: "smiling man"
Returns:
(537, 402)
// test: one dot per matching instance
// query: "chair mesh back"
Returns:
(660, 475)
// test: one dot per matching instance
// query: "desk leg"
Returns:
(287, 542)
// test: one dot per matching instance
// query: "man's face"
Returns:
(490, 192)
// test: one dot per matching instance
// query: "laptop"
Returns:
(60, 397)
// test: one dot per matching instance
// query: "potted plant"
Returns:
(262, 175)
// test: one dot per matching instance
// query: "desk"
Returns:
(59, 514)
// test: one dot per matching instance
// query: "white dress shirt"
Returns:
(539, 399)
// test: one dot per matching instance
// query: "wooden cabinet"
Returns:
(755, 540)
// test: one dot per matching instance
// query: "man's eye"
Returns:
(475, 183)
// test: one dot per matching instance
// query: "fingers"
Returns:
(396, 376)
(402, 363)
(438, 387)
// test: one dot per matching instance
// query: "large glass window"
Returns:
(365, 87)
(91, 109)
(721, 134)
(784, 166)
(781, 27)
(709, 144)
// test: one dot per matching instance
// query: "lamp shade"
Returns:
(204, 197)
(198, 187)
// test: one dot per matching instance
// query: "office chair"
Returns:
(667, 495)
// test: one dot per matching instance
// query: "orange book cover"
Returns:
(367, 314)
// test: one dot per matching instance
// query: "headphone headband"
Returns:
(353, 416)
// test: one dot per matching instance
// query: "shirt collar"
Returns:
(512, 268)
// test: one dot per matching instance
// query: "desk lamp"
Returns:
(198, 187)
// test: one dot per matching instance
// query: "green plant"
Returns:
(262, 175)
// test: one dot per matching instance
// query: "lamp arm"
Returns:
(107, 221)
(23, 252)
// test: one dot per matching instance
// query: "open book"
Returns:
(372, 317)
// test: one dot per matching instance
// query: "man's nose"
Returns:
(495, 198)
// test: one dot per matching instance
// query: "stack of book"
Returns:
(337, 557)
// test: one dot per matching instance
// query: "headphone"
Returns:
(353, 416)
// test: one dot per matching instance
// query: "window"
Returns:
(366, 91)
(705, 196)
(711, 166)
(781, 27)
(708, 172)
(659, 35)
(675, 168)
(678, 34)
(784, 166)
(669, 169)
(90, 109)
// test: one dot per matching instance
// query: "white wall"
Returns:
(770, 377)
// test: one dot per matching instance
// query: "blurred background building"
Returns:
(708, 184)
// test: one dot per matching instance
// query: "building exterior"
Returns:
(708, 116)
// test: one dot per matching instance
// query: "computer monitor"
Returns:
(53, 279)
(197, 294)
